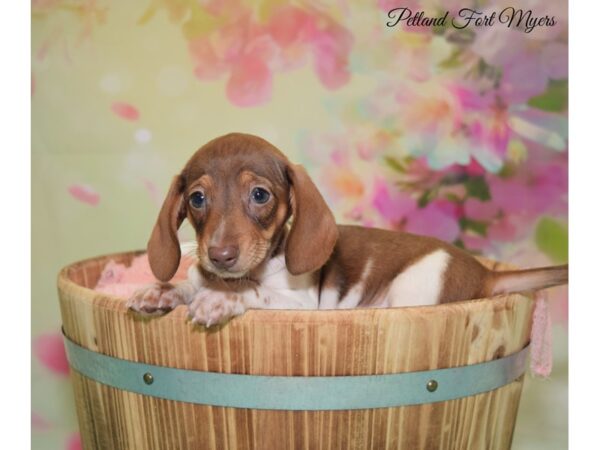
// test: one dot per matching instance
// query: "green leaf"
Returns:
(424, 200)
(199, 23)
(459, 243)
(395, 164)
(477, 187)
(473, 225)
(555, 99)
(452, 61)
(552, 238)
(148, 14)
(453, 197)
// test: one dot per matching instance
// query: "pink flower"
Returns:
(343, 182)
(250, 83)
(434, 220)
(50, 351)
(501, 46)
(39, 423)
(393, 207)
(451, 124)
(517, 201)
(125, 111)
(474, 168)
(438, 218)
(331, 48)
(74, 442)
(527, 60)
(540, 187)
(209, 65)
(475, 242)
(250, 51)
(482, 211)
(522, 79)
(84, 193)
(290, 25)
(503, 230)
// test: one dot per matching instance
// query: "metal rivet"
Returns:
(432, 385)
(148, 378)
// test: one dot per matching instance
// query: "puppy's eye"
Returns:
(197, 200)
(260, 195)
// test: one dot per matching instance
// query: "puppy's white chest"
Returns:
(297, 291)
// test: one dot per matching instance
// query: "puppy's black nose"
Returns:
(224, 257)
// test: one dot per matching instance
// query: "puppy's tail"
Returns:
(506, 282)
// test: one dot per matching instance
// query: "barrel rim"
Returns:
(64, 282)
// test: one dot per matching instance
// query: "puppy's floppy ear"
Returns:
(313, 233)
(163, 247)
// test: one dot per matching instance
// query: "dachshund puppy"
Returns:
(239, 192)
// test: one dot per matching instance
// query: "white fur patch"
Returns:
(356, 292)
(189, 248)
(421, 283)
(287, 291)
(330, 297)
(194, 276)
(352, 297)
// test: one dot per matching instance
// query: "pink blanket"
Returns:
(122, 281)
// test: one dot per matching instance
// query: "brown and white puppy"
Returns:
(238, 192)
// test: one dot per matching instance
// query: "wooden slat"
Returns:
(352, 342)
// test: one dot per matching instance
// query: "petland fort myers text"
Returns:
(468, 17)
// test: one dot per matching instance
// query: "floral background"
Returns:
(459, 134)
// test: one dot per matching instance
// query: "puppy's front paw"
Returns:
(211, 308)
(157, 299)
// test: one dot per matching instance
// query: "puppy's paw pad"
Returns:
(155, 299)
(212, 309)
(170, 299)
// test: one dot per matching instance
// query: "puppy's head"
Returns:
(238, 191)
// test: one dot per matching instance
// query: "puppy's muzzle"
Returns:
(224, 257)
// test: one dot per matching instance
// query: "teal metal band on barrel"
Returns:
(296, 392)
